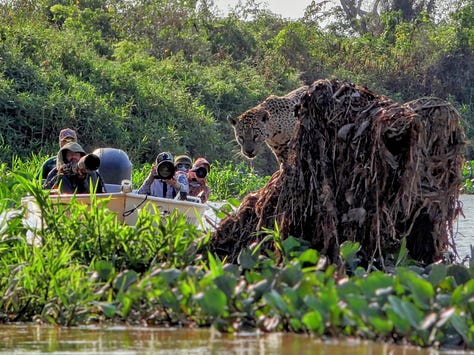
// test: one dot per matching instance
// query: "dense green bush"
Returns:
(147, 77)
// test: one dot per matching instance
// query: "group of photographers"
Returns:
(170, 177)
(73, 171)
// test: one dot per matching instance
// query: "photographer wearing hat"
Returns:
(162, 180)
(197, 178)
(67, 135)
(76, 171)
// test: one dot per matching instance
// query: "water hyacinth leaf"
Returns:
(347, 289)
(312, 302)
(295, 324)
(445, 316)
(274, 299)
(375, 280)
(314, 322)
(357, 303)
(226, 284)
(448, 284)
(460, 273)
(290, 296)
(169, 300)
(123, 281)
(381, 325)
(459, 323)
(108, 309)
(309, 256)
(291, 275)
(170, 275)
(437, 273)
(400, 323)
(104, 268)
(213, 302)
(247, 259)
(463, 294)
(232, 269)
(260, 288)
(421, 290)
(291, 245)
(349, 250)
(406, 311)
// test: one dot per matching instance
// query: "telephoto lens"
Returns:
(201, 172)
(165, 170)
(89, 162)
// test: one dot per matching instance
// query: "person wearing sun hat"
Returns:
(66, 135)
(71, 177)
(197, 178)
(161, 181)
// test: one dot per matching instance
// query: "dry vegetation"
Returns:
(362, 168)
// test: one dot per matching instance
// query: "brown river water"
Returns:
(32, 339)
(38, 339)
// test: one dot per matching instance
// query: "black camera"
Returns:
(88, 163)
(201, 172)
(165, 170)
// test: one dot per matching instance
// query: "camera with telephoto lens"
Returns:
(165, 170)
(201, 172)
(88, 163)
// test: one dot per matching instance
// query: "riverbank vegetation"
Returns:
(164, 75)
(86, 268)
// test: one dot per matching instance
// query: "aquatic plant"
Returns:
(89, 268)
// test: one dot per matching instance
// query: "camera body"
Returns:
(201, 172)
(165, 170)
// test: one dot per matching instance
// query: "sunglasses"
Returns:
(183, 165)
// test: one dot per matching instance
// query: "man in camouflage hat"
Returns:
(66, 135)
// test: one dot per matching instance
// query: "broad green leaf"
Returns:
(247, 259)
(381, 325)
(407, 311)
(274, 299)
(291, 275)
(123, 281)
(314, 322)
(437, 274)
(375, 280)
(309, 256)
(214, 302)
(226, 284)
(421, 290)
(108, 309)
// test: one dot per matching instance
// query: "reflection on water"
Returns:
(32, 339)
(464, 228)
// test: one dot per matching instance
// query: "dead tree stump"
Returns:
(362, 168)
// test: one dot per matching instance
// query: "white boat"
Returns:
(126, 206)
(116, 169)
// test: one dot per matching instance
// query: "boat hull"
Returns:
(126, 206)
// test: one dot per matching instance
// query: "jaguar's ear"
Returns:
(265, 116)
(231, 120)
